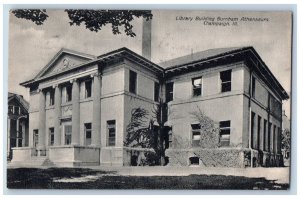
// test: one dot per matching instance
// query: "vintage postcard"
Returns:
(149, 99)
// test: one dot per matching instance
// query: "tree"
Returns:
(147, 130)
(94, 20)
(286, 141)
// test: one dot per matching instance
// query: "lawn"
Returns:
(83, 178)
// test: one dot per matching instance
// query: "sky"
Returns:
(31, 47)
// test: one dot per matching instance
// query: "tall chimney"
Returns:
(146, 39)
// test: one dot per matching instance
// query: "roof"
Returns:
(203, 59)
(116, 54)
(198, 56)
(57, 55)
(20, 98)
(185, 63)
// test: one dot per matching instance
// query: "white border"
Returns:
(219, 4)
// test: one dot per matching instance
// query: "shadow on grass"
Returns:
(30, 178)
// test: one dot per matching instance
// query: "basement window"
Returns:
(194, 161)
(224, 133)
(225, 77)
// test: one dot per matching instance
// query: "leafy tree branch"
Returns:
(94, 20)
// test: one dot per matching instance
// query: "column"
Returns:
(96, 125)
(75, 112)
(57, 115)
(42, 120)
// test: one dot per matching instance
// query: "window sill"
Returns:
(50, 107)
(86, 99)
(66, 103)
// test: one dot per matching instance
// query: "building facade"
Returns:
(17, 123)
(80, 106)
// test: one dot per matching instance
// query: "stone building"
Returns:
(17, 123)
(80, 106)
(235, 88)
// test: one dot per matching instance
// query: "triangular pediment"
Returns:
(64, 60)
(18, 100)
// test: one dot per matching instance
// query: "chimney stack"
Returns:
(146, 39)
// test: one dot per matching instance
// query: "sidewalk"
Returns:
(280, 175)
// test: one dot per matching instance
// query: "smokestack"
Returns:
(146, 39)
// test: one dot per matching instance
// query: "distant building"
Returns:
(80, 106)
(17, 123)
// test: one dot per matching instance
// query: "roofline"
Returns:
(126, 53)
(17, 96)
(61, 51)
(282, 93)
(208, 58)
(121, 52)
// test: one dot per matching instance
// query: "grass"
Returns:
(32, 178)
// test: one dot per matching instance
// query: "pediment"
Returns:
(64, 60)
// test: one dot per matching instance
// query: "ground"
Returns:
(148, 178)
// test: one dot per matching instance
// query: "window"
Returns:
(35, 137)
(156, 91)
(194, 161)
(252, 129)
(68, 134)
(111, 128)
(10, 109)
(20, 136)
(253, 87)
(269, 136)
(170, 139)
(51, 102)
(196, 131)
(132, 82)
(51, 136)
(169, 91)
(274, 139)
(88, 133)
(225, 133)
(258, 132)
(196, 135)
(16, 110)
(69, 93)
(265, 136)
(278, 139)
(225, 80)
(197, 86)
(88, 89)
